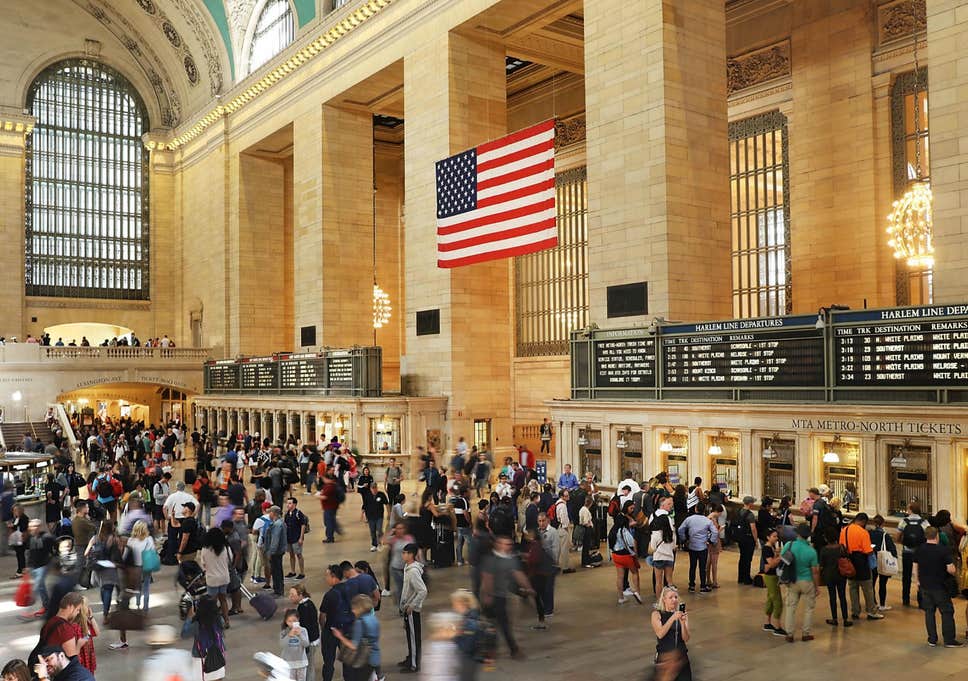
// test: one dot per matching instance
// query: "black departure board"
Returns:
(258, 373)
(302, 372)
(783, 352)
(625, 359)
(223, 376)
(902, 347)
(340, 371)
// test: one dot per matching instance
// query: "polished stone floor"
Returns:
(590, 639)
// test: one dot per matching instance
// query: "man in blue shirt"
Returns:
(567, 479)
(296, 522)
(698, 532)
(334, 611)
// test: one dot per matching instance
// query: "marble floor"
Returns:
(590, 639)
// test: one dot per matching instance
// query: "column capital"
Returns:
(161, 157)
(14, 128)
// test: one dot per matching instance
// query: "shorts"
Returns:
(627, 561)
(663, 564)
(220, 589)
(158, 512)
(109, 506)
(296, 548)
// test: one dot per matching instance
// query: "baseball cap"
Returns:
(410, 548)
(189, 504)
(49, 650)
(823, 489)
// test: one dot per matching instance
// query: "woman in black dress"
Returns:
(425, 535)
(671, 626)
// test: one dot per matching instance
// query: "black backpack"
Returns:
(912, 536)
(740, 527)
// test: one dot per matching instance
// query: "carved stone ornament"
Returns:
(759, 66)
(901, 19)
(569, 131)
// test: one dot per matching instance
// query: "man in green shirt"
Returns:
(805, 587)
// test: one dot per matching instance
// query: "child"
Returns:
(309, 621)
(294, 641)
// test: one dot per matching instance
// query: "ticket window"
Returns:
(385, 436)
(909, 472)
(631, 457)
(778, 467)
(674, 448)
(590, 453)
(840, 460)
(723, 453)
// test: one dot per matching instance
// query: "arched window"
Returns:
(86, 217)
(273, 32)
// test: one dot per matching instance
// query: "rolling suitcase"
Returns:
(443, 553)
(264, 604)
(190, 476)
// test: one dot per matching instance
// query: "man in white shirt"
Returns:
(503, 488)
(175, 503)
(564, 532)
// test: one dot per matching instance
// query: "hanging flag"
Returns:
(498, 200)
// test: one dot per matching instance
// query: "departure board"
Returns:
(902, 347)
(302, 372)
(223, 375)
(783, 352)
(625, 359)
(258, 373)
(340, 371)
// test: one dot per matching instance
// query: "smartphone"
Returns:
(682, 607)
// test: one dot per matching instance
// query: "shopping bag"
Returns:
(25, 592)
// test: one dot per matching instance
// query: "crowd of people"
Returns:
(236, 519)
(114, 341)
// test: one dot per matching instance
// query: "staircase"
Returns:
(13, 434)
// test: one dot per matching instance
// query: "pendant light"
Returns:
(714, 448)
(582, 437)
(830, 455)
(666, 446)
(621, 443)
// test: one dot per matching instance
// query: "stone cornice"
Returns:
(758, 66)
(234, 101)
(16, 122)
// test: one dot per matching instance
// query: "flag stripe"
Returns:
(536, 130)
(514, 174)
(512, 242)
(513, 223)
(527, 153)
(471, 259)
(538, 140)
(503, 234)
(516, 209)
(517, 193)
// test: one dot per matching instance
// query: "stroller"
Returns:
(191, 578)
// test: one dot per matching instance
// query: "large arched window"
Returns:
(274, 30)
(86, 217)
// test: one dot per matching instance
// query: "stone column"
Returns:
(867, 474)
(307, 161)
(948, 81)
(304, 417)
(13, 129)
(263, 424)
(750, 476)
(657, 156)
(455, 99)
(165, 258)
(805, 474)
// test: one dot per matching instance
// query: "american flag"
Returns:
(498, 199)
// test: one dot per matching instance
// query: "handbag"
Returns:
(886, 562)
(16, 538)
(355, 658)
(845, 566)
(25, 592)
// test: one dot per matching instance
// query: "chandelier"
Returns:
(910, 225)
(381, 307)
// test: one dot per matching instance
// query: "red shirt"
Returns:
(331, 502)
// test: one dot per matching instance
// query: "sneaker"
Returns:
(833, 623)
(807, 637)
(120, 645)
(932, 644)
(267, 587)
(627, 592)
(39, 613)
(954, 644)
(848, 623)
(884, 608)
(637, 597)
(768, 627)
(258, 580)
(779, 631)
(290, 575)
(386, 592)
(300, 576)
(623, 600)
(372, 549)
(540, 626)
(589, 566)
(705, 590)
(692, 589)
(875, 616)
(790, 638)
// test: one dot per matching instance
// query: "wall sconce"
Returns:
(830, 455)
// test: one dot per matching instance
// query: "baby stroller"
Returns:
(191, 578)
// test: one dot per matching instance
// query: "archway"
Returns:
(109, 402)
(95, 332)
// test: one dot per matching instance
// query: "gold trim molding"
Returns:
(14, 122)
(900, 19)
(758, 66)
(569, 130)
(275, 75)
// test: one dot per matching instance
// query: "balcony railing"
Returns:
(27, 353)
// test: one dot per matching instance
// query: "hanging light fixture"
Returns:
(666, 446)
(582, 438)
(830, 455)
(621, 443)
(714, 448)
(770, 452)
(900, 461)
(381, 300)
(910, 223)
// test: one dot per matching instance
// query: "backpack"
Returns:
(786, 571)
(552, 514)
(150, 561)
(34, 657)
(806, 507)
(340, 493)
(614, 507)
(739, 528)
(913, 535)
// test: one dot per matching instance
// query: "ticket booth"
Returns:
(909, 476)
(840, 462)
(590, 452)
(384, 435)
(723, 451)
(630, 455)
(779, 456)
(674, 456)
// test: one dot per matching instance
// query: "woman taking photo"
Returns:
(671, 626)
(215, 559)
(85, 631)
(622, 543)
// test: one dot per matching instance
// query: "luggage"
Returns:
(443, 551)
(264, 604)
(190, 476)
